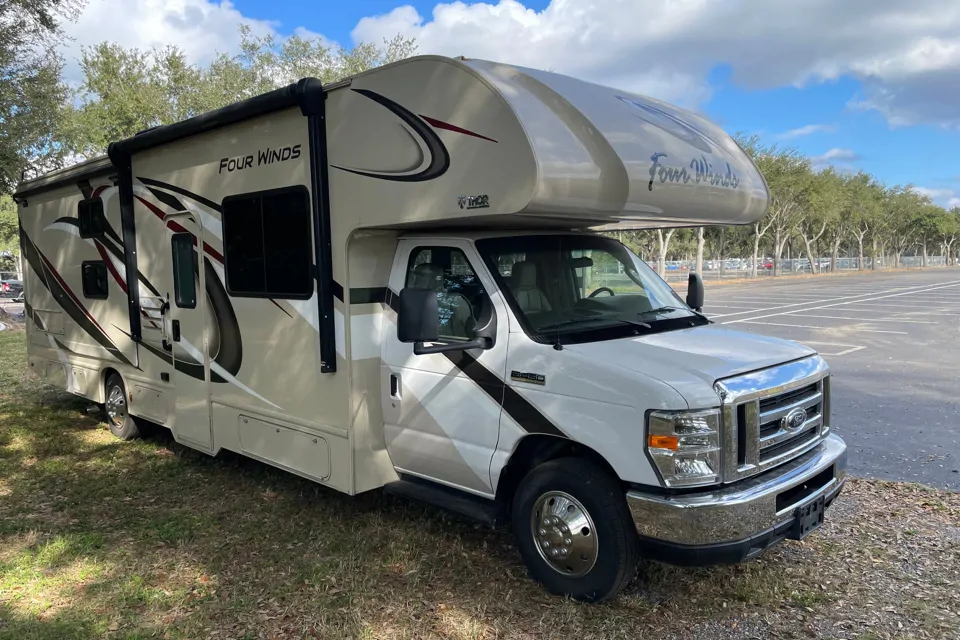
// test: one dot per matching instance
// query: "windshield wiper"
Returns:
(659, 310)
(563, 323)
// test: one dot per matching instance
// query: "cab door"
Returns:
(442, 411)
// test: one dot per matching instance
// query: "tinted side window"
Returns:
(184, 270)
(94, 277)
(267, 244)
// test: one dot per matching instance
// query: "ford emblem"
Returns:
(794, 420)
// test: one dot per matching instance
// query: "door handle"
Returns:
(175, 330)
(394, 386)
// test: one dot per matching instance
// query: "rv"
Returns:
(403, 281)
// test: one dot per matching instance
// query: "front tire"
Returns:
(574, 531)
(121, 423)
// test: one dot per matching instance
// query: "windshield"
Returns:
(562, 284)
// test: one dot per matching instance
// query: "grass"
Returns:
(100, 538)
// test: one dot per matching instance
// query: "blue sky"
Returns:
(862, 84)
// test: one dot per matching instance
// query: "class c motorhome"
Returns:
(396, 281)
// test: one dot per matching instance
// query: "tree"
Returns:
(664, 243)
(824, 206)
(903, 210)
(32, 93)
(789, 178)
(864, 196)
(10, 230)
(127, 90)
(949, 232)
(700, 243)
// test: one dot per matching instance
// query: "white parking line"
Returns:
(847, 302)
(800, 314)
(850, 348)
(778, 324)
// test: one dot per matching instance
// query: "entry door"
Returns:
(187, 335)
(442, 411)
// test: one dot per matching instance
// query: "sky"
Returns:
(869, 85)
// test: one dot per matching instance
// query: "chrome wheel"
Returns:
(116, 406)
(564, 534)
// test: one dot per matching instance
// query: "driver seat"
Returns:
(529, 297)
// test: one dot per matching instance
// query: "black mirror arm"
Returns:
(479, 343)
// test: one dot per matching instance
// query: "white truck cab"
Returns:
(712, 444)
(400, 281)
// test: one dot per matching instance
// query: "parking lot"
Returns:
(893, 344)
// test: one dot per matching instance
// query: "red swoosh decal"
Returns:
(110, 267)
(440, 124)
(177, 228)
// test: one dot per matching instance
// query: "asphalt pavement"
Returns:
(893, 344)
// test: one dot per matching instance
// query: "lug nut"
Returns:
(554, 552)
(542, 532)
(567, 541)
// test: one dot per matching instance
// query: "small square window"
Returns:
(94, 276)
(93, 222)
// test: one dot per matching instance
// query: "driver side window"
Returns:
(460, 295)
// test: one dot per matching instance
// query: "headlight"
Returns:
(685, 446)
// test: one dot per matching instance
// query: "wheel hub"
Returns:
(116, 406)
(564, 533)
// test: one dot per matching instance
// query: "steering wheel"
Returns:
(607, 289)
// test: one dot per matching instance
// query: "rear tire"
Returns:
(121, 423)
(574, 530)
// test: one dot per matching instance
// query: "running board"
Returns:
(466, 504)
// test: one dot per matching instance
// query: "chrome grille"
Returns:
(754, 405)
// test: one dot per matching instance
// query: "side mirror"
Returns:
(695, 292)
(418, 321)
(418, 318)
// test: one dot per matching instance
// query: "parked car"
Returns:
(11, 289)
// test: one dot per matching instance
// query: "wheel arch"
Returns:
(532, 451)
(105, 374)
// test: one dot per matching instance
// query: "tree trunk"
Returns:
(756, 250)
(814, 266)
(873, 256)
(836, 255)
(923, 261)
(664, 244)
(860, 253)
(700, 243)
(779, 242)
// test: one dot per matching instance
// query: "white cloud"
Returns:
(907, 55)
(807, 130)
(948, 198)
(839, 159)
(200, 27)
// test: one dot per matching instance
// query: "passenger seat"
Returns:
(529, 297)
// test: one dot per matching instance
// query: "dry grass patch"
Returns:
(100, 538)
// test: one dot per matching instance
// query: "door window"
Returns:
(184, 271)
(460, 295)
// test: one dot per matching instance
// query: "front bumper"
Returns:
(734, 523)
